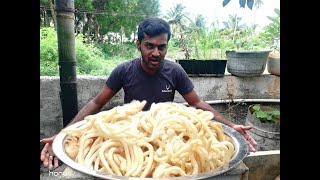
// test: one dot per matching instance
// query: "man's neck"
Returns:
(148, 70)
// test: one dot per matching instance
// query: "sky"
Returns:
(213, 10)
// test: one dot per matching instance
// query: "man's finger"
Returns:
(245, 135)
(241, 131)
(56, 164)
(44, 151)
(47, 140)
(246, 127)
(50, 162)
(251, 147)
(46, 160)
(251, 140)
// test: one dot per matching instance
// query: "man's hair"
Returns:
(153, 26)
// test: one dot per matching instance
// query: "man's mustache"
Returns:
(155, 58)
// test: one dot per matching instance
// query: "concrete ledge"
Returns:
(239, 172)
(263, 165)
(64, 172)
(265, 86)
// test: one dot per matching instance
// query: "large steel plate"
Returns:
(239, 142)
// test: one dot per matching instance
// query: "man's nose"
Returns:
(155, 52)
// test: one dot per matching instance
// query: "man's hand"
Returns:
(242, 130)
(47, 155)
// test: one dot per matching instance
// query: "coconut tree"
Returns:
(175, 14)
(175, 17)
(233, 25)
(200, 21)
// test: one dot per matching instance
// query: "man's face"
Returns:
(153, 50)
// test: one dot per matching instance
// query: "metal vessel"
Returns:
(239, 142)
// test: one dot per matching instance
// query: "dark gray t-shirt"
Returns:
(138, 85)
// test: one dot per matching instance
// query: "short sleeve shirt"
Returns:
(138, 85)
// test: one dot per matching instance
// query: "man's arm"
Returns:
(193, 100)
(94, 105)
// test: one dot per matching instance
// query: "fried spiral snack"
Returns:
(169, 140)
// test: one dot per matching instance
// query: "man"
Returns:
(150, 78)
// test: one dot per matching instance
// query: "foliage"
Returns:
(126, 50)
(242, 3)
(202, 42)
(106, 31)
(271, 33)
(96, 19)
(266, 113)
(48, 52)
(89, 58)
(176, 14)
(197, 41)
(200, 21)
(233, 23)
(172, 45)
(249, 43)
(176, 17)
(123, 16)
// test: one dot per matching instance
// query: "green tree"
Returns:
(82, 18)
(90, 60)
(200, 21)
(175, 14)
(176, 17)
(144, 8)
(233, 23)
(271, 32)
(233, 26)
(46, 13)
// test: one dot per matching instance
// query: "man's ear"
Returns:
(138, 44)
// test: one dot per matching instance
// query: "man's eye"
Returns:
(149, 46)
(162, 47)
